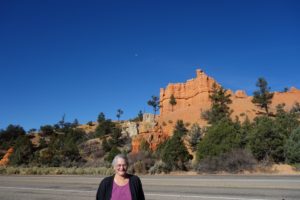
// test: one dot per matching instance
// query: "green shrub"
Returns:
(160, 167)
(174, 152)
(292, 147)
(265, 142)
(12, 170)
(235, 161)
(221, 137)
(3, 170)
(56, 171)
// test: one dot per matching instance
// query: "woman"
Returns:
(120, 186)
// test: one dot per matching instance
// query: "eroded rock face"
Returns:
(193, 92)
(192, 99)
(130, 128)
(153, 137)
(5, 160)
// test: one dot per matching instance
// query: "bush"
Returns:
(140, 162)
(173, 152)
(194, 136)
(56, 171)
(292, 147)
(160, 167)
(114, 151)
(265, 142)
(99, 153)
(90, 123)
(221, 137)
(2, 170)
(237, 160)
(139, 167)
(12, 170)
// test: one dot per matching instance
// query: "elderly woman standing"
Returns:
(120, 186)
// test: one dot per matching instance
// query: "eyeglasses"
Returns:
(122, 165)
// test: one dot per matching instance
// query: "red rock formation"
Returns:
(5, 160)
(193, 98)
(154, 137)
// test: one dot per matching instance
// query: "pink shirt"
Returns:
(120, 192)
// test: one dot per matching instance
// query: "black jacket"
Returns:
(106, 185)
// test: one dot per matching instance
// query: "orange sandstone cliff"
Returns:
(192, 99)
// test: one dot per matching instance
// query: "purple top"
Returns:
(120, 192)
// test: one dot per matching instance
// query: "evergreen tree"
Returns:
(63, 149)
(113, 152)
(219, 107)
(285, 122)
(115, 137)
(262, 97)
(154, 102)
(10, 135)
(246, 128)
(106, 147)
(105, 126)
(119, 113)
(180, 129)
(194, 136)
(172, 101)
(47, 130)
(292, 147)
(140, 116)
(101, 117)
(265, 142)
(61, 123)
(23, 151)
(174, 152)
(222, 137)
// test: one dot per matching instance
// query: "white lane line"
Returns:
(201, 197)
(230, 180)
(147, 194)
(44, 189)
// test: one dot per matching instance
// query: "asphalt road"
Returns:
(155, 187)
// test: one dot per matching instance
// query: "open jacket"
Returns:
(106, 185)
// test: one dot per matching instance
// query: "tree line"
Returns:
(226, 144)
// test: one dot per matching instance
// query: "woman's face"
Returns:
(120, 167)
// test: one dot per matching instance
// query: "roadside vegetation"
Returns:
(227, 144)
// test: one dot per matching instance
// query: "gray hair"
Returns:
(122, 156)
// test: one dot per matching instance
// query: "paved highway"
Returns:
(217, 187)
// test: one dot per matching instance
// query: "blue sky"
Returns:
(80, 58)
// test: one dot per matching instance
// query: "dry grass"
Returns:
(56, 171)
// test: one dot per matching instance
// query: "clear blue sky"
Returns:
(80, 58)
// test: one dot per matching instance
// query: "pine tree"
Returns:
(292, 147)
(265, 142)
(101, 117)
(174, 152)
(194, 136)
(172, 101)
(262, 97)
(140, 116)
(219, 107)
(154, 102)
(119, 113)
